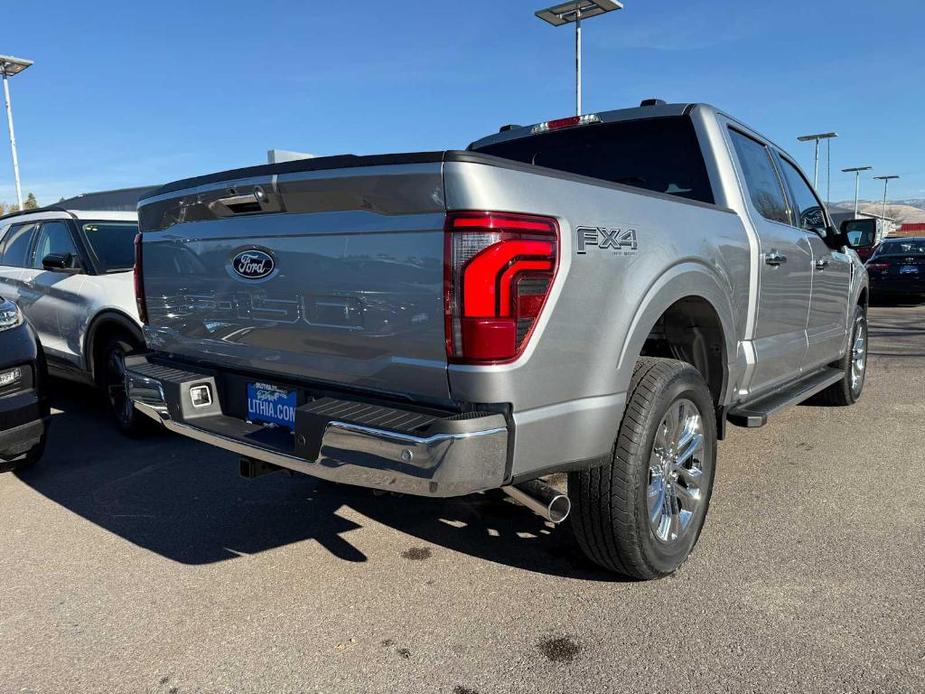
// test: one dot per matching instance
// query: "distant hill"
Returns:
(903, 211)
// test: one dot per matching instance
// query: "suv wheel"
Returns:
(854, 366)
(114, 352)
(641, 514)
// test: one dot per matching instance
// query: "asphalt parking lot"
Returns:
(151, 566)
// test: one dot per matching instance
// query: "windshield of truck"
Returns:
(112, 243)
(658, 154)
(906, 247)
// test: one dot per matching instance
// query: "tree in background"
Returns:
(30, 204)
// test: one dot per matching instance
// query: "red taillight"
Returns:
(877, 267)
(140, 282)
(498, 272)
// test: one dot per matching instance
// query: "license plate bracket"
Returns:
(270, 404)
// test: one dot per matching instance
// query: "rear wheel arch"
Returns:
(691, 331)
(681, 300)
(103, 327)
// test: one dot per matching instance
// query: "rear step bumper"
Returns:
(341, 441)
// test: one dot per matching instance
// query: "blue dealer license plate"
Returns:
(270, 404)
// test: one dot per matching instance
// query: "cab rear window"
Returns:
(657, 154)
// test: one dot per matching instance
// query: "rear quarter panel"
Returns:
(568, 389)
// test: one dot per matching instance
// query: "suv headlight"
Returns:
(10, 315)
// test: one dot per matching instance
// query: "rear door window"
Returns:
(113, 244)
(16, 245)
(761, 179)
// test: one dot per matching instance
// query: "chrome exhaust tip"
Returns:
(544, 500)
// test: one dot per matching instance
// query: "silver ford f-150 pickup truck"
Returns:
(595, 295)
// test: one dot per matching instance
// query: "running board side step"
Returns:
(756, 413)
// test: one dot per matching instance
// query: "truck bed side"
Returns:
(568, 390)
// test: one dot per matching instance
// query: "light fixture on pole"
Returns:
(10, 66)
(828, 137)
(573, 13)
(886, 181)
(857, 183)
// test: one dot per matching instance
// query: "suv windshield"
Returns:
(909, 247)
(658, 154)
(112, 243)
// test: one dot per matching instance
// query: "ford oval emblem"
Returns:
(253, 264)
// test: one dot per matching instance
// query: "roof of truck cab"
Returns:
(615, 115)
(628, 114)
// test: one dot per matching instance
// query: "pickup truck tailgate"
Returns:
(327, 270)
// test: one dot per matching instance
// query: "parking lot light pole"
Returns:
(857, 183)
(886, 181)
(573, 13)
(816, 138)
(10, 66)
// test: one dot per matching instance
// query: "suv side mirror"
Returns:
(60, 262)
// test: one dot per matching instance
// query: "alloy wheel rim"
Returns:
(675, 491)
(858, 357)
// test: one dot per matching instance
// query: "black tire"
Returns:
(611, 504)
(111, 377)
(848, 390)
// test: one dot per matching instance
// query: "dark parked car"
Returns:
(897, 268)
(24, 411)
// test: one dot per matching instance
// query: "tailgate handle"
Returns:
(242, 204)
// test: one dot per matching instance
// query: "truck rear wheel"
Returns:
(641, 514)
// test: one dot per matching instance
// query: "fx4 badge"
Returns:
(621, 241)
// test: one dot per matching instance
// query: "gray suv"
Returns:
(70, 271)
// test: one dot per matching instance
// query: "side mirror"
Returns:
(60, 262)
(859, 233)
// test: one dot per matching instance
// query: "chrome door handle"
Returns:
(822, 263)
(775, 258)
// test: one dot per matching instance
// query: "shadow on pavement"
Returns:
(186, 501)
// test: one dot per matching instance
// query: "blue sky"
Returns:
(126, 93)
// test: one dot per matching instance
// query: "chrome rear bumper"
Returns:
(457, 456)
